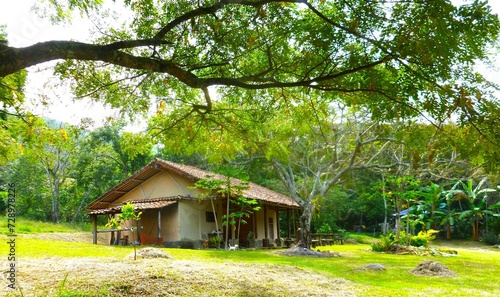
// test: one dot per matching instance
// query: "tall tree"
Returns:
(321, 158)
(33, 199)
(400, 58)
(51, 145)
(126, 150)
(105, 156)
(11, 100)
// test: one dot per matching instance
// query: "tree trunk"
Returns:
(215, 216)
(82, 203)
(305, 225)
(227, 222)
(54, 191)
(475, 229)
(384, 229)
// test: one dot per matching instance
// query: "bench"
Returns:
(320, 239)
(327, 239)
(339, 238)
(315, 240)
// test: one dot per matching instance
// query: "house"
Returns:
(174, 215)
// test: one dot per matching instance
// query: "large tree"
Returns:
(405, 56)
(51, 145)
(11, 100)
(395, 58)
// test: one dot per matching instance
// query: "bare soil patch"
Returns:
(457, 244)
(432, 268)
(170, 277)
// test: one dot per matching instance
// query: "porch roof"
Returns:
(155, 203)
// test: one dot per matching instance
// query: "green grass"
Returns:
(363, 238)
(477, 270)
(27, 247)
(477, 266)
(25, 226)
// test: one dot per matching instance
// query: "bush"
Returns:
(325, 228)
(421, 239)
(378, 247)
(491, 238)
(386, 243)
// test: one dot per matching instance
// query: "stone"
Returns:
(375, 267)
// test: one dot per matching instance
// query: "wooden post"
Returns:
(159, 223)
(278, 224)
(118, 237)
(265, 222)
(254, 226)
(94, 229)
(288, 223)
(138, 230)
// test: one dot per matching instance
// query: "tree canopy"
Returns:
(262, 76)
(399, 57)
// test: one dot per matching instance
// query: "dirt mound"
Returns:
(149, 253)
(301, 251)
(432, 268)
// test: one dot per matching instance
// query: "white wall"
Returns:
(271, 213)
(162, 184)
(192, 219)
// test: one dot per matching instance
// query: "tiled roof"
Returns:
(254, 192)
(155, 203)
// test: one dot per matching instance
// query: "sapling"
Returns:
(128, 213)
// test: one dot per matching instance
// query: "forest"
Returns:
(367, 113)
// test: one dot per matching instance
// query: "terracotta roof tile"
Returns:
(253, 192)
(155, 203)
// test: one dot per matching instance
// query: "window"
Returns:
(210, 217)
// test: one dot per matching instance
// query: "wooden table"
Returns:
(325, 239)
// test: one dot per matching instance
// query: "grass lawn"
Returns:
(477, 269)
(24, 226)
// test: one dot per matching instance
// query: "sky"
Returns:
(25, 28)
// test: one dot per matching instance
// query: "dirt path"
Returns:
(461, 245)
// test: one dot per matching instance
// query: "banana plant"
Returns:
(447, 215)
(476, 199)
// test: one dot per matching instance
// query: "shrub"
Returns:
(325, 228)
(386, 243)
(491, 238)
(421, 239)
(342, 233)
(378, 247)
